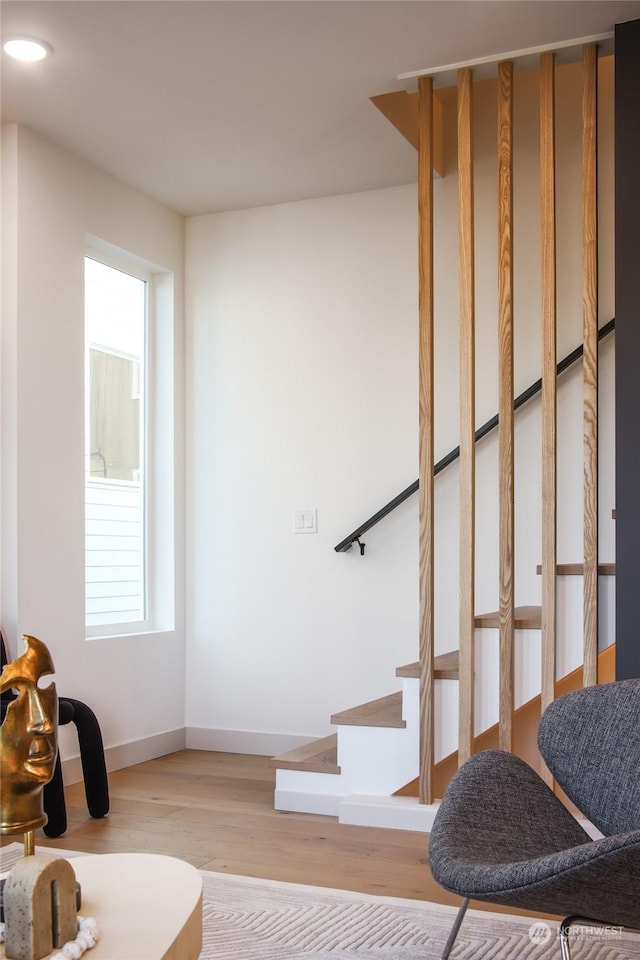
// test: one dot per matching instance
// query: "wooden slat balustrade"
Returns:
(426, 430)
(467, 410)
(506, 393)
(590, 361)
(549, 383)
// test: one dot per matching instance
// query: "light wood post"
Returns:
(426, 429)
(505, 411)
(549, 378)
(467, 411)
(590, 360)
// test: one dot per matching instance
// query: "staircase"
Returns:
(365, 773)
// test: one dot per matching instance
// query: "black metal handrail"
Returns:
(481, 432)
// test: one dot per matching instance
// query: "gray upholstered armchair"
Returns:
(502, 836)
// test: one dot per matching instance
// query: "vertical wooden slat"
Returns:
(590, 360)
(505, 407)
(549, 545)
(426, 429)
(467, 411)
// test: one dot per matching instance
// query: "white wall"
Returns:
(302, 392)
(51, 202)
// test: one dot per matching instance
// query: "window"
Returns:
(116, 541)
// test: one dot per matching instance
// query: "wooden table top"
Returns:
(148, 907)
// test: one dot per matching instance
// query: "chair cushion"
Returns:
(590, 740)
(500, 835)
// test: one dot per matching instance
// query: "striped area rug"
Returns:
(251, 919)
(247, 919)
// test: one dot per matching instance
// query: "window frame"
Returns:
(158, 503)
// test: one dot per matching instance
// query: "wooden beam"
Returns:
(402, 109)
(467, 410)
(505, 408)
(426, 432)
(549, 380)
(590, 360)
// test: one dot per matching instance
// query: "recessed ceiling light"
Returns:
(26, 49)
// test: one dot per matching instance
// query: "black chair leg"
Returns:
(448, 947)
(94, 769)
(54, 803)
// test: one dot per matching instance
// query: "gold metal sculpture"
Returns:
(40, 893)
(28, 741)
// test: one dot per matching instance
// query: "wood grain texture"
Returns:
(505, 406)
(577, 569)
(445, 667)
(383, 712)
(549, 399)
(467, 408)
(590, 359)
(401, 109)
(426, 433)
(215, 810)
(318, 756)
(524, 618)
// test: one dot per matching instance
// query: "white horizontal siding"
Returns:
(121, 513)
(113, 558)
(111, 493)
(102, 588)
(112, 574)
(124, 604)
(114, 554)
(108, 541)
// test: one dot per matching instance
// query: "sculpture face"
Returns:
(28, 739)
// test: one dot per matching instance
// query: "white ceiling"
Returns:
(211, 105)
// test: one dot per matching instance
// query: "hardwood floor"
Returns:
(215, 810)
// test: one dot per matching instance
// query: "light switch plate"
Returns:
(305, 520)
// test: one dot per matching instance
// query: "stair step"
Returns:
(577, 569)
(319, 756)
(445, 667)
(526, 618)
(384, 712)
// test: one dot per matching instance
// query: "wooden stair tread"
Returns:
(318, 756)
(526, 618)
(445, 667)
(384, 712)
(577, 569)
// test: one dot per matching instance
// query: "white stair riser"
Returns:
(303, 780)
(606, 612)
(305, 801)
(377, 759)
(392, 813)
(445, 712)
(526, 673)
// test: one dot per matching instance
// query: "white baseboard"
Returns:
(127, 754)
(297, 801)
(393, 813)
(243, 741)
